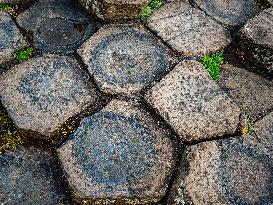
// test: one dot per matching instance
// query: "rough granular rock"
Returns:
(11, 39)
(231, 12)
(251, 92)
(40, 94)
(229, 171)
(30, 176)
(124, 59)
(188, 30)
(118, 155)
(57, 25)
(193, 104)
(256, 40)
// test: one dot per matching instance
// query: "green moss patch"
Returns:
(24, 54)
(148, 10)
(8, 8)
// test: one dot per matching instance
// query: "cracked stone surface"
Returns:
(113, 56)
(229, 12)
(28, 176)
(251, 92)
(193, 104)
(230, 171)
(256, 40)
(57, 25)
(42, 93)
(118, 155)
(11, 39)
(187, 29)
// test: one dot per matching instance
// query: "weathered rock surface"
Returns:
(57, 25)
(17, 2)
(230, 12)
(11, 39)
(124, 58)
(114, 9)
(187, 29)
(29, 176)
(40, 94)
(251, 92)
(193, 104)
(228, 172)
(256, 40)
(118, 155)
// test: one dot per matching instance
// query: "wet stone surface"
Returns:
(230, 171)
(187, 29)
(193, 104)
(57, 25)
(124, 58)
(29, 176)
(11, 39)
(42, 93)
(118, 155)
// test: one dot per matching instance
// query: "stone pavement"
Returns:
(115, 110)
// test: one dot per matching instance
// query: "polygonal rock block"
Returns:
(193, 104)
(118, 155)
(113, 9)
(40, 94)
(30, 176)
(230, 13)
(11, 39)
(252, 92)
(229, 171)
(57, 25)
(256, 40)
(187, 29)
(124, 58)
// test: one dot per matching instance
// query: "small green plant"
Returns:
(7, 8)
(213, 63)
(148, 10)
(248, 128)
(24, 54)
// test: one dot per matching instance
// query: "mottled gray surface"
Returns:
(187, 29)
(229, 12)
(253, 93)
(193, 104)
(28, 176)
(40, 94)
(11, 39)
(57, 25)
(118, 155)
(124, 58)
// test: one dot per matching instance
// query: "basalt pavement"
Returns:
(114, 110)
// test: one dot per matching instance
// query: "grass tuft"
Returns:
(24, 54)
(148, 10)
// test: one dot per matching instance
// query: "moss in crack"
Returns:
(148, 10)
(24, 54)
(6, 7)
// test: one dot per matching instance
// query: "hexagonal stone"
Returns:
(57, 25)
(124, 58)
(193, 104)
(228, 172)
(40, 94)
(256, 40)
(118, 155)
(231, 12)
(11, 39)
(30, 176)
(252, 92)
(187, 29)
(114, 10)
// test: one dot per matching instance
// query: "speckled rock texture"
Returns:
(253, 93)
(17, 2)
(229, 171)
(256, 40)
(57, 25)
(29, 176)
(11, 39)
(229, 12)
(188, 30)
(40, 94)
(124, 59)
(193, 104)
(118, 156)
(114, 9)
